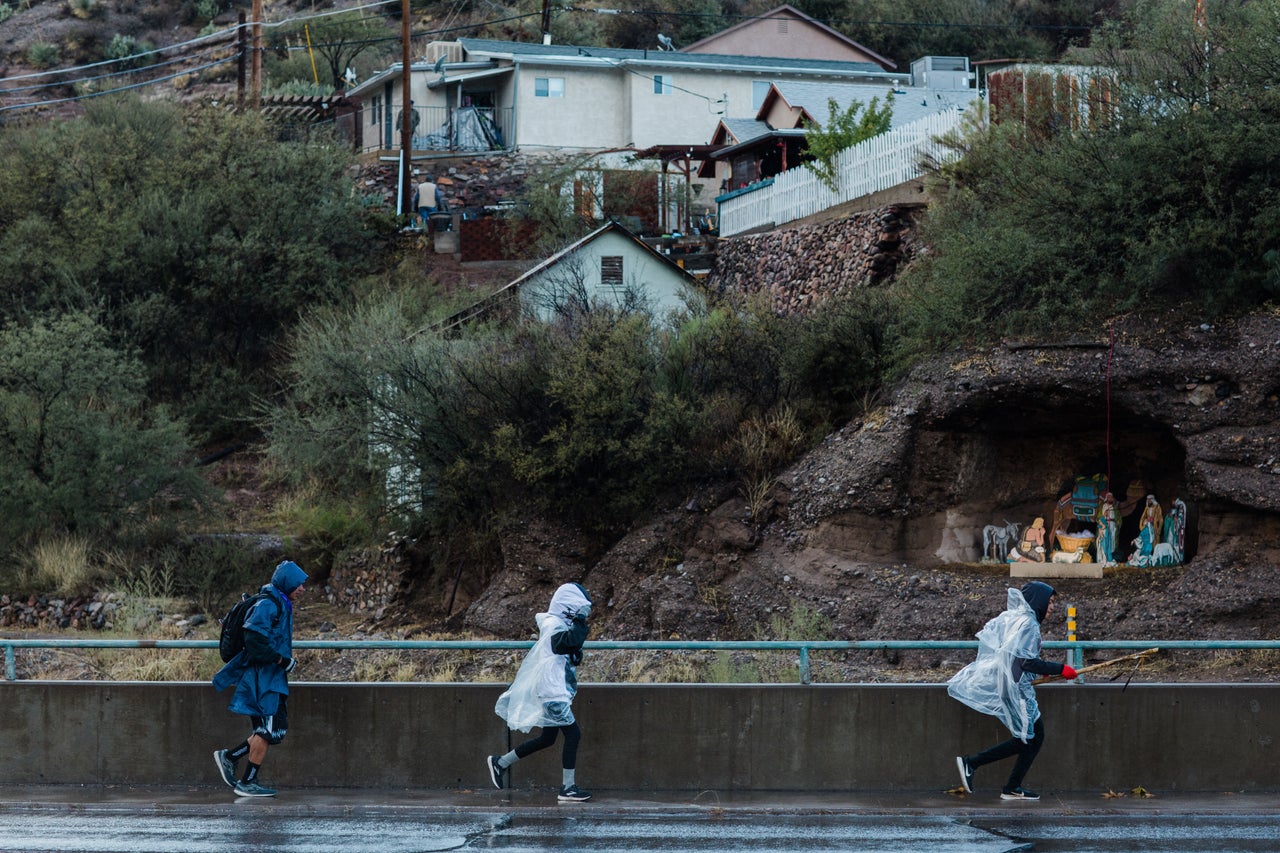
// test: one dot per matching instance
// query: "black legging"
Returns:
(545, 738)
(1026, 753)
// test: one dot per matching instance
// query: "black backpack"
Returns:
(231, 641)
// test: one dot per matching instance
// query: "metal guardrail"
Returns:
(803, 648)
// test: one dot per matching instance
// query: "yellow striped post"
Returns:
(1075, 655)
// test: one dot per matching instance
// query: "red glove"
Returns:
(1069, 672)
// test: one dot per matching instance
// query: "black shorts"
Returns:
(274, 727)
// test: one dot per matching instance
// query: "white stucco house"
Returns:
(608, 267)
(560, 98)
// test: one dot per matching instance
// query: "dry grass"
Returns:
(386, 666)
(161, 665)
(63, 563)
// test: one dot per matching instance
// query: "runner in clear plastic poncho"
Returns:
(544, 687)
(999, 683)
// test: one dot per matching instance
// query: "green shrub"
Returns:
(43, 55)
(728, 668)
(129, 50)
(84, 9)
(213, 570)
(322, 521)
(800, 622)
(200, 233)
(80, 449)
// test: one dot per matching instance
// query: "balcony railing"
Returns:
(443, 129)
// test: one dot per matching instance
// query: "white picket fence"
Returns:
(879, 163)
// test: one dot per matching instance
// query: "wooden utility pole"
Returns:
(255, 73)
(546, 21)
(406, 112)
(242, 43)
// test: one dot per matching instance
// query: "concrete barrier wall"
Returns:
(747, 737)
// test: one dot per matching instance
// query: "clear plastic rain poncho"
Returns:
(546, 682)
(995, 683)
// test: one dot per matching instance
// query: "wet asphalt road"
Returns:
(141, 821)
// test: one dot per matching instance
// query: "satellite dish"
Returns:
(439, 66)
(665, 42)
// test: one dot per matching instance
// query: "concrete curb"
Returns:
(189, 800)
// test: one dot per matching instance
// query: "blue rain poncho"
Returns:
(996, 683)
(259, 686)
(547, 680)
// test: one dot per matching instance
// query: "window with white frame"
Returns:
(662, 84)
(548, 87)
(611, 270)
(759, 88)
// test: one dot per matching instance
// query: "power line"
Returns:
(130, 58)
(58, 84)
(222, 34)
(116, 90)
(654, 78)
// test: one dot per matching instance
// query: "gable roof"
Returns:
(740, 129)
(590, 238)
(789, 12)
(510, 290)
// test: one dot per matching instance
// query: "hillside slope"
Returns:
(878, 529)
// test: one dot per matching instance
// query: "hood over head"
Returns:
(1037, 594)
(569, 600)
(288, 576)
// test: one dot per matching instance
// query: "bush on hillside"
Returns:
(80, 449)
(1176, 200)
(197, 233)
(593, 418)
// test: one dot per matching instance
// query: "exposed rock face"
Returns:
(975, 440)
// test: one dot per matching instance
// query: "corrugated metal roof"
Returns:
(570, 52)
(469, 75)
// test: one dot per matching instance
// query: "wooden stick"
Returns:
(1138, 656)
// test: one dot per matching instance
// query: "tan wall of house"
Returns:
(587, 117)
(790, 38)
(782, 116)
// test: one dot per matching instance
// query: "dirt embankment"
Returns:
(876, 534)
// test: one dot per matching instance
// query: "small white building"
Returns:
(610, 267)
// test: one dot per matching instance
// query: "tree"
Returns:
(339, 40)
(198, 233)
(561, 201)
(844, 128)
(80, 448)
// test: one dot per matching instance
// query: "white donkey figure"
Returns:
(996, 540)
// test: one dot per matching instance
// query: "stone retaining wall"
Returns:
(801, 266)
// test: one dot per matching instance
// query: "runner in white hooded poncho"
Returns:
(544, 687)
(999, 683)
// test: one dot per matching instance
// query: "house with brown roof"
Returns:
(786, 31)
